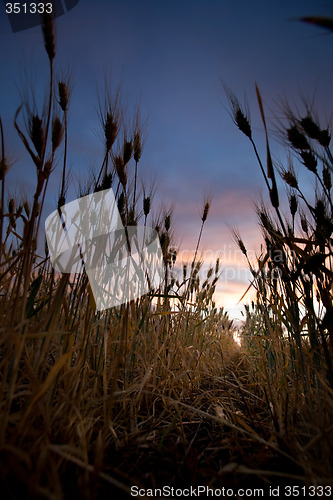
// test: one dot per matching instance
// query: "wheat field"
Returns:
(156, 391)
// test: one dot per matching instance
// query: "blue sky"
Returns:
(170, 56)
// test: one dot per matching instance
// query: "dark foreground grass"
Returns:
(156, 392)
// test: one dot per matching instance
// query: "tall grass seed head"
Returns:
(215, 280)
(242, 122)
(297, 139)
(46, 248)
(293, 204)
(63, 95)
(137, 147)
(164, 240)
(37, 133)
(107, 181)
(290, 178)
(311, 128)
(121, 203)
(61, 201)
(120, 168)
(324, 138)
(265, 221)
(146, 205)
(3, 168)
(320, 210)
(209, 273)
(239, 242)
(274, 196)
(131, 217)
(304, 224)
(173, 255)
(57, 133)
(110, 126)
(239, 117)
(127, 151)
(48, 33)
(309, 160)
(324, 224)
(47, 168)
(327, 180)
(11, 210)
(242, 246)
(167, 222)
(11, 206)
(205, 211)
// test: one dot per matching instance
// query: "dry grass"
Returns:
(151, 393)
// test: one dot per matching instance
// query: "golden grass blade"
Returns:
(323, 22)
(261, 107)
(262, 263)
(62, 451)
(54, 372)
(270, 170)
(242, 469)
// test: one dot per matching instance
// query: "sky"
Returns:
(170, 58)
